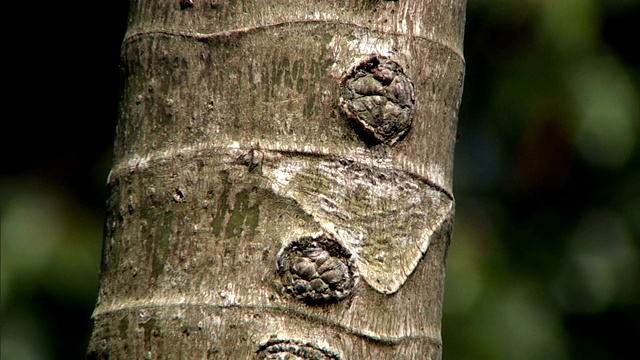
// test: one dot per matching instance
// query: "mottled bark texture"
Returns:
(281, 183)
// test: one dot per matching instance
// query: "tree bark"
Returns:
(281, 181)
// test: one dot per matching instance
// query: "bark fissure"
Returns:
(233, 150)
(151, 303)
(133, 36)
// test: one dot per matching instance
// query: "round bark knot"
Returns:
(316, 270)
(294, 350)
(378, 97)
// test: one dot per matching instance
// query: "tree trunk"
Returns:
(281, 181)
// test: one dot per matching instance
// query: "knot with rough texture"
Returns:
(378, 97)
(293, 349)
(316, 270)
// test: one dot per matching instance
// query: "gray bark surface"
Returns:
(248, 216)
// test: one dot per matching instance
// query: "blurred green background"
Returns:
(545, 257)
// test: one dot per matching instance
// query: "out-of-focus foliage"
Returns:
(57, 137)
(545, 257)
(50, 262)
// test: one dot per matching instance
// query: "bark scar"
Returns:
(383, 216)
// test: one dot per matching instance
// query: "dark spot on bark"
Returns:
(178, 195)
(185, 4)
(252, 159)
(212, 353)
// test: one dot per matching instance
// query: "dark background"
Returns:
(545, 257)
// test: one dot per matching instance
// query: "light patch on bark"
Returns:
(385, 219)
(382, 214)
(436, 174)
(365, 44)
